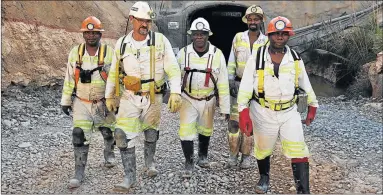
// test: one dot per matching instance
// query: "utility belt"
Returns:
(208, 98)
(90, 101)
(145, 93)
(275, 106)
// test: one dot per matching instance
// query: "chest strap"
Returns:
(260, 66)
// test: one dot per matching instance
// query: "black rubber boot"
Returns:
(264, 181)
(188, 149)
(301, 177)
(128, 157)
(149, 151)
(109, 147)
(81, 157)
(203, 146)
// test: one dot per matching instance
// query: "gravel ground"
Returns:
(37, 155)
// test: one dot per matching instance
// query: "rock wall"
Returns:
(37, 36)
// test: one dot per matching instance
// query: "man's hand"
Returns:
(310, 115)
(245, 123)
(111, 104)
(175, 102)
(233, 88)
(66, 109)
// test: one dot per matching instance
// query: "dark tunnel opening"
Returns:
(225, 21)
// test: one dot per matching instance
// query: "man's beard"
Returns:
(253, 27)
(143, 31)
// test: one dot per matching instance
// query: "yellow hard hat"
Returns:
(254, 9)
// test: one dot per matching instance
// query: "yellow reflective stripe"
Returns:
(200, 92)
(243, 44)
(69, 84)
(129, 124)
(294, 149)
(222, 89)
(67, 92)
(270, 71)
(112, 75)
(173, 71)
(98, 82)
(204, 131)
(231, 68)
(261, 154)
(85, 125)
(234, 134)
(195, 60)
(243, 96)
(187, 129)
(241, 64)
(148, 126)
(310, 96)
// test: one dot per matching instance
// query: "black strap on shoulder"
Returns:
(152, 38)
(295, 55)
(258, 58)
(122, 46)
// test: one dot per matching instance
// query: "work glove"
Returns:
(310, 115)
(111, 104)
(66, 109)
(245, 123)
(174, 103)
(233, 88)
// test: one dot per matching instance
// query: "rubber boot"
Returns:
(81, 157)
(301, 177)
(110, 160)
(128, 157)
(188, 149)
(149, 151)
(246, 145)
(203, 146)
(234, 143)
(264, 170)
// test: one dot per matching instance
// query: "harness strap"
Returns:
(260, 65)
(101, 56)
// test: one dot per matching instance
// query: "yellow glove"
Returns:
(111, 104)
(175, 102)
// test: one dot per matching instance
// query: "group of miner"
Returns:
(120, 91)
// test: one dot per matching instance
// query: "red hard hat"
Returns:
(280, 24)
(91, 23)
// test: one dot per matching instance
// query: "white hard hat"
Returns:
(142, 10)
(200, 24)
(254, 9)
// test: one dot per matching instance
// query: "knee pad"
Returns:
(233, 126)
(120, 137)
(106, 133)
(78, 137)
(151, 135)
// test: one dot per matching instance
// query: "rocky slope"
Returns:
(37, 36)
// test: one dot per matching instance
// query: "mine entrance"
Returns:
(225, 21)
